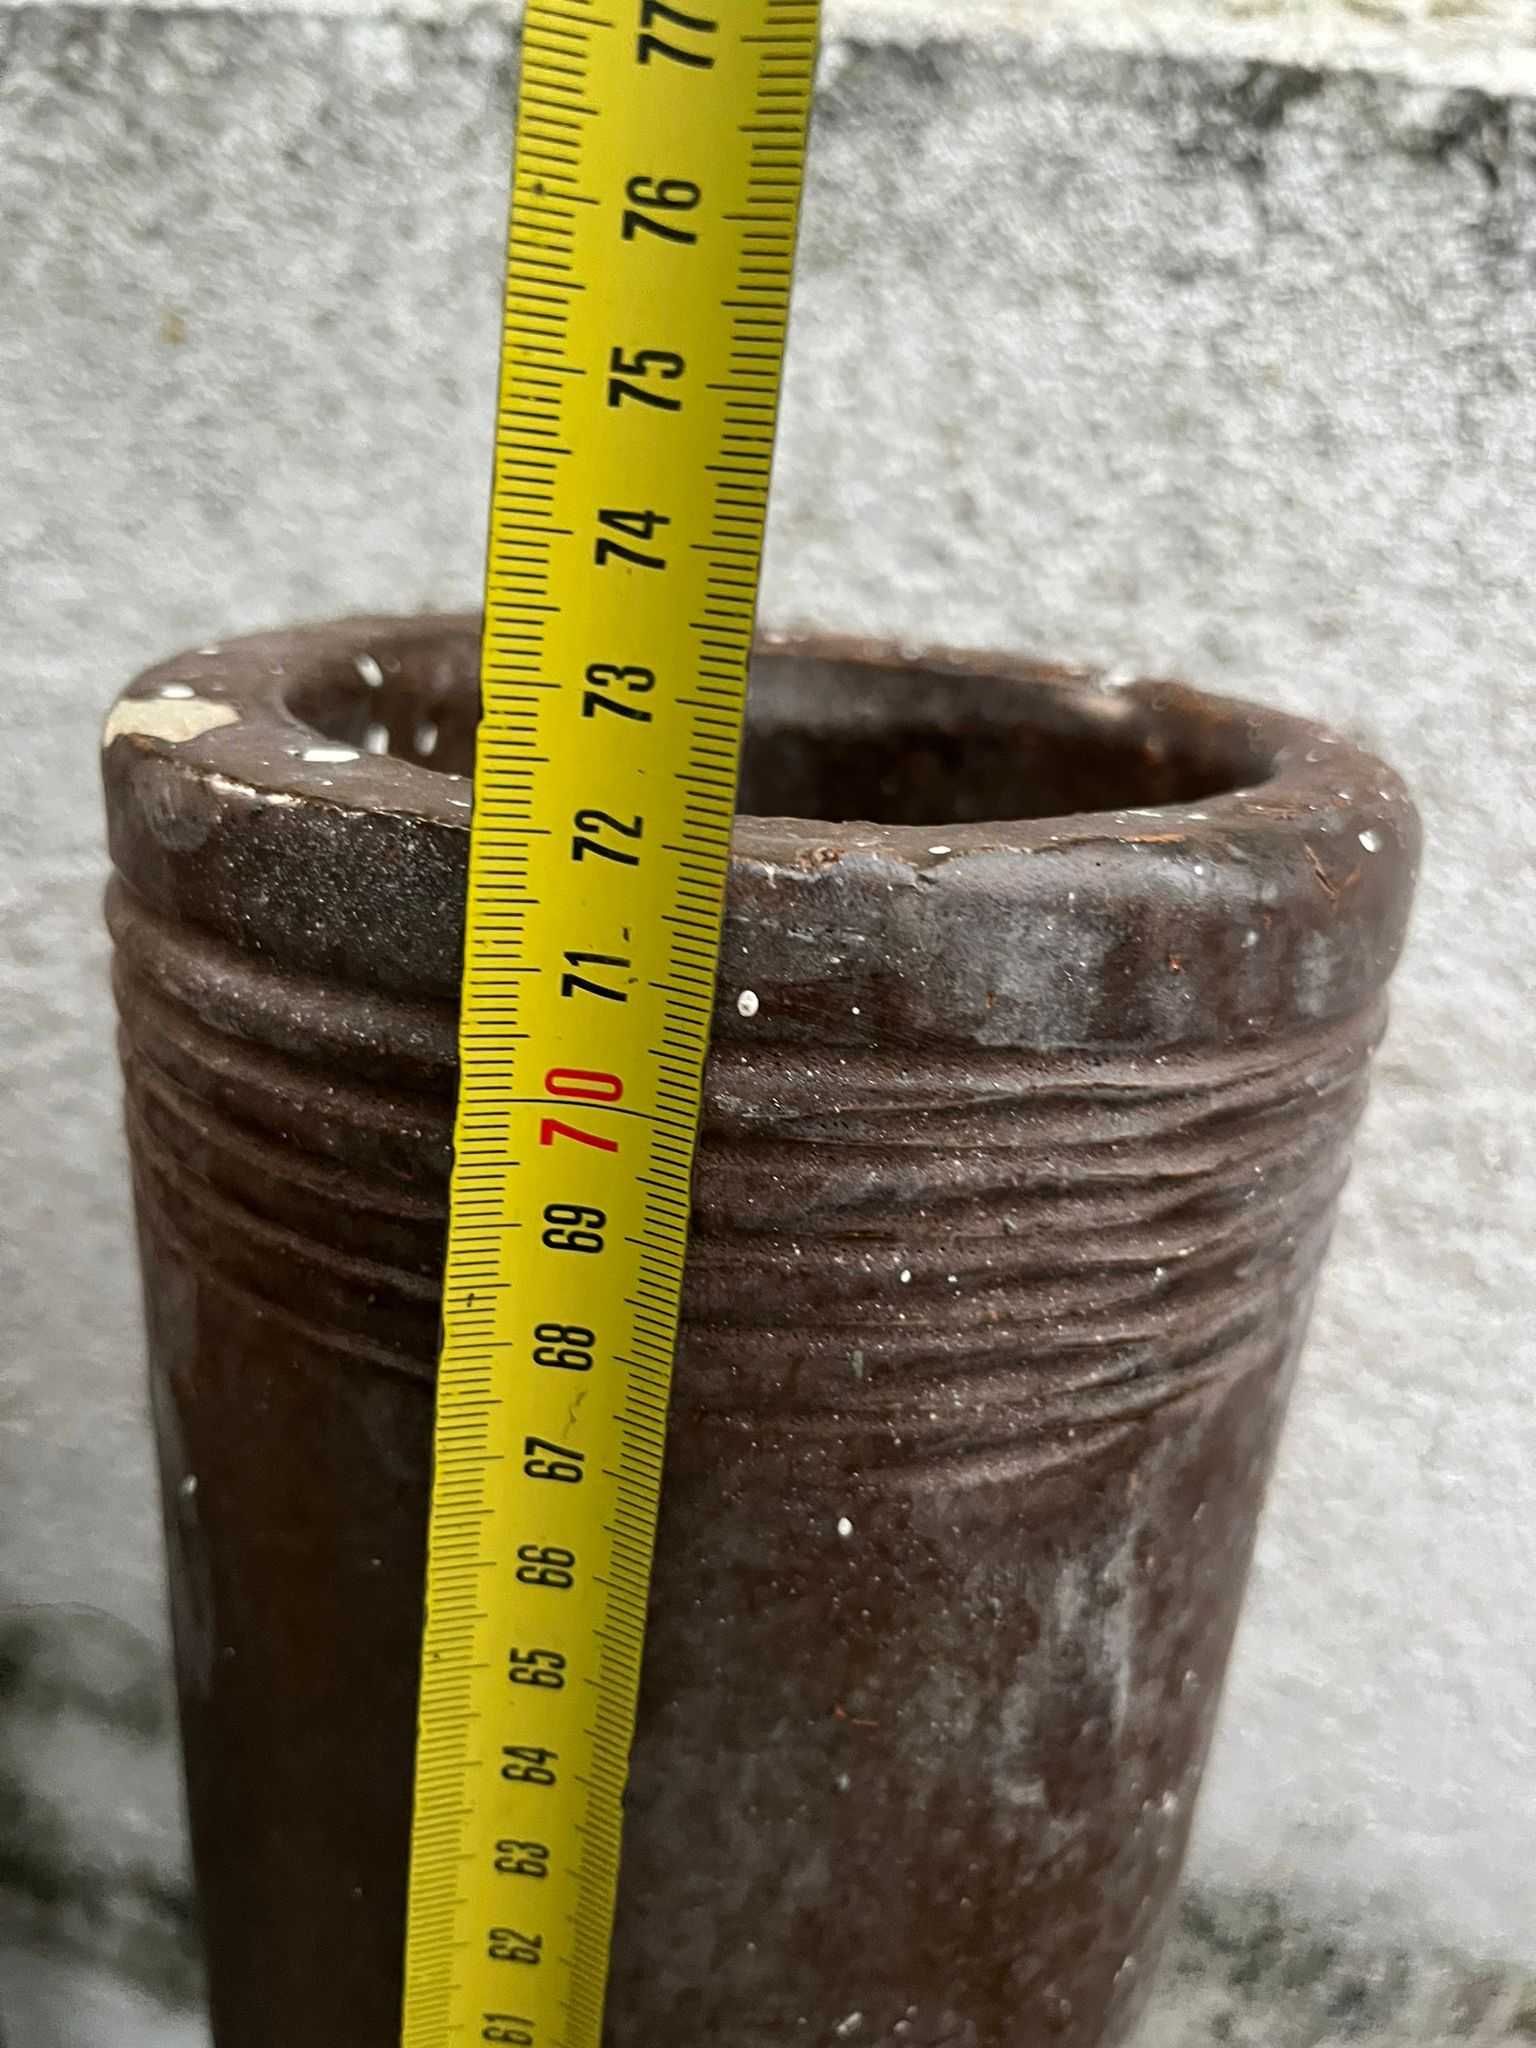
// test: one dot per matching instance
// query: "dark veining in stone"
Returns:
(74, 1682)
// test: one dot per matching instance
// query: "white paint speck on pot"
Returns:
(941, 849)
(844, 1526)
(370, 671)
(747, 1003)
(177, 690)
(330, 757)
(160, 718)
(906, 1276)
(846, 2029)
(1371, 841)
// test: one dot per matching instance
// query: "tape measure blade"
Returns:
(656, 192)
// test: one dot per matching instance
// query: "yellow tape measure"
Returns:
(657, 183)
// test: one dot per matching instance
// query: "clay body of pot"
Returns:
(1012, 1193)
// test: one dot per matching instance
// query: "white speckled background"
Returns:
(1116, 341)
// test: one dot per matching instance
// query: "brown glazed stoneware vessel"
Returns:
(1010, 1205)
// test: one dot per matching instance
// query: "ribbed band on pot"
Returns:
(1033, 1074)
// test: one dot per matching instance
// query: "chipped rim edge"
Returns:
(1328, 838)
(246, 683)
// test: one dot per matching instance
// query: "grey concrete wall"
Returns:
(1139, 341)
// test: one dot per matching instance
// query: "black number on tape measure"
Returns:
(563, 1347)
(506, 1945)
(588, 822)
(668, 367)
(544, 1669)
(531, 1766)
(571, 1228)
(648, 46)
(639, 526)
(602, 675)
(571, 983)
(546, 1565)
(543, 1460)
(659, 195)
(502, 2027)
(522, 1859)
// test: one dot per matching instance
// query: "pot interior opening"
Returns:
(844, 741)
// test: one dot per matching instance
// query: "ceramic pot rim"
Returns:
(229, 810)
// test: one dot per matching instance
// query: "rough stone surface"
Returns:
(55, 2001)
(1209, 365)
(1480, 43)
(1256, 1972)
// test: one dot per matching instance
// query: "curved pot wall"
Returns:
(1015, 1180)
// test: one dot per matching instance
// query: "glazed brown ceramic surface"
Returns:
(1011, 1199)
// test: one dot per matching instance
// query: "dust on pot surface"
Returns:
(1021, 1150)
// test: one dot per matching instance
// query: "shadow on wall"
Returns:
(87, 1740)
